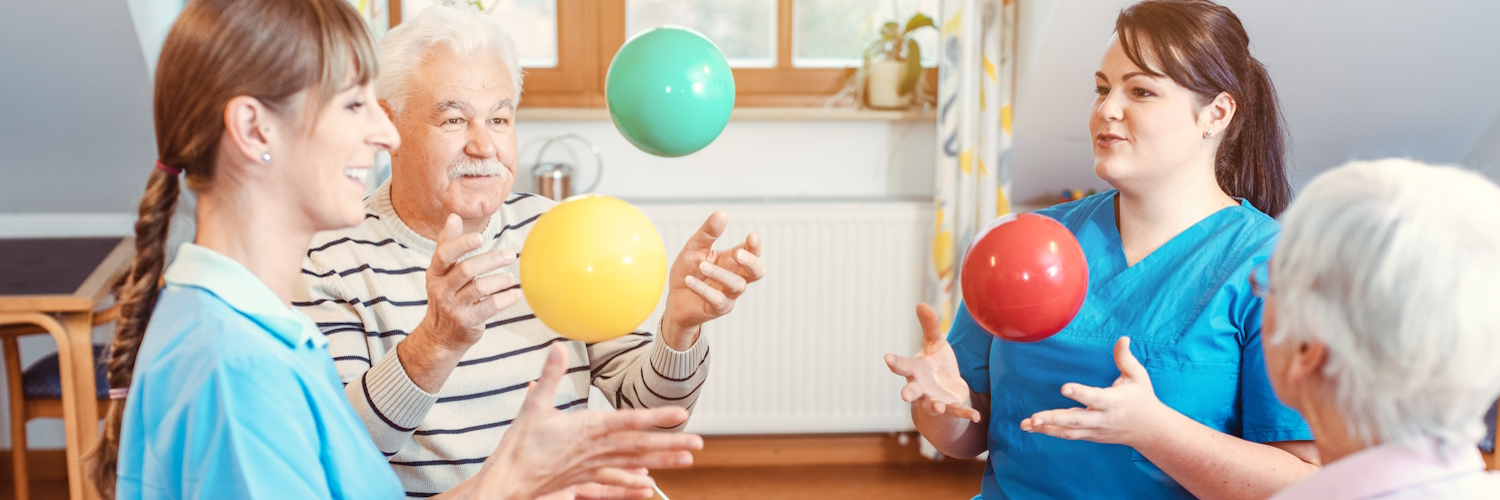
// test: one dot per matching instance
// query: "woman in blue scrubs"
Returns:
(1158, 388)
(266, 109)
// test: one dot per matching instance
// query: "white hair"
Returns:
(1395, 266)
(463, 29)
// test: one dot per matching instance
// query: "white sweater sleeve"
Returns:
(389, 403)
(641, 371)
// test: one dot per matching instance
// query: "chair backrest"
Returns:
(1491, 420)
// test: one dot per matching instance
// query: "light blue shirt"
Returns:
(235, 396)
(1193, 323)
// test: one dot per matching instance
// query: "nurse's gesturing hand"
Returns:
(932, 378)
(1123, 413)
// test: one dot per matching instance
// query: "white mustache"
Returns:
(466, 165)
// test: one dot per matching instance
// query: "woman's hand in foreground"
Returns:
(602, 454)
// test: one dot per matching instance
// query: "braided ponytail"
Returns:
(137, 299)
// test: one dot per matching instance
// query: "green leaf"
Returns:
(913, 68)
(918, 20)
(888, 31)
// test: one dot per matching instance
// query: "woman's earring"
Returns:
(266, 156)
(1206, 134)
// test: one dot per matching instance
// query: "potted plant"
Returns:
(893, 64)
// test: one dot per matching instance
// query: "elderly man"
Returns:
(421, 302)
(1384, 332)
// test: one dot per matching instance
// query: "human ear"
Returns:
(248, 128)
(1308, 359)
(1217, 114)
(385, 106)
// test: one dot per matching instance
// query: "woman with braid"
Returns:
(265, 109)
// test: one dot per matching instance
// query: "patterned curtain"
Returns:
(976, 86)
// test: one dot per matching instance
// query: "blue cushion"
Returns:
(1488, 445)
(43, 379)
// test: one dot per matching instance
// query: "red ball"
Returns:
(1024, 277)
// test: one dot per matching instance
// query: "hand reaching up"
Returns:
(932, 379)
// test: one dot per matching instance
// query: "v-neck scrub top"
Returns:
(1193, 323)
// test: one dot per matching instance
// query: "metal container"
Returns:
(555, 179)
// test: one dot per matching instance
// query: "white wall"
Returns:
(753, 159)
(75, 114)
(1357, 79)
(1485, 157)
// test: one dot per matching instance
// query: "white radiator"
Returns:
(802, 351)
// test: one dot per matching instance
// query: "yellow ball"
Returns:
(593, 268)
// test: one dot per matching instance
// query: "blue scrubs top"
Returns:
(235, 396)
(1192, 321)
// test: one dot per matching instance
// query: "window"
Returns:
(744, 30)
(784, 52)
(833, 33)
(533, 23)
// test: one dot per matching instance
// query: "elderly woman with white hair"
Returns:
(1383, 299)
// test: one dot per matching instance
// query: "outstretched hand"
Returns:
(933, 382)
(1122, 413)
(704, 283)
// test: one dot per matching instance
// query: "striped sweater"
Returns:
(365, 288)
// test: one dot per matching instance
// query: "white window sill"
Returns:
(746, 114)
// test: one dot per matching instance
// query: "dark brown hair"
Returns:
(1203, 47)
(217, 50)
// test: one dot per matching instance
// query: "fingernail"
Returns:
(1067, 391)
(705, 267)
(475, 240)
(508, 254)
(1036, 421)
(690, 279)
(554, 354)
(741, 256)
(685, 460)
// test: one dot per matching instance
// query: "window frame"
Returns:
(589, 32)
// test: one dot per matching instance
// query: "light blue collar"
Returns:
(232, 283)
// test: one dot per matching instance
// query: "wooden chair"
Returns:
(37, 392)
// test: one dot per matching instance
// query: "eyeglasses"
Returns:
(1260, 280)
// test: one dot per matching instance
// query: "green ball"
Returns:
(669, 91)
